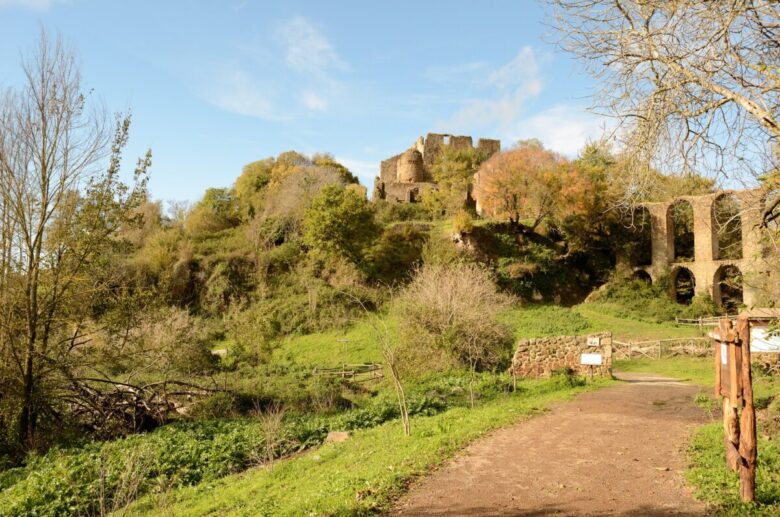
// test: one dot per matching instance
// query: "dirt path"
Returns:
(618, 450)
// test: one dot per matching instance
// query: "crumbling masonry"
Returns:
(706, 269)
(404, 177)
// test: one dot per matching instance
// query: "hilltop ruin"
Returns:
(404, 177)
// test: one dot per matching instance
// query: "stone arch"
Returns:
(680, 223)
(644, 276)
(640, 244)
(728, 288)
(727, 227)
(683, 285)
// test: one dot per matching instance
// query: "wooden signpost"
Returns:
(734, 383)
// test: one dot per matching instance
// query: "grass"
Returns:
(353, 345)
(696, 370)
(356, 344)
(714, 482)
(362, 475)
(604, 316)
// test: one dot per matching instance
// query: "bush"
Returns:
(449, 316)
(634, 299)
(396, 254)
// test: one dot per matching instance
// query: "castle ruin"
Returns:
(403, 178)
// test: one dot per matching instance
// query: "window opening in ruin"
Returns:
(640, 246)
(681, 219)
(684, 286)
(644, 276)
(727, 227)
(729, 282)
(413, 193)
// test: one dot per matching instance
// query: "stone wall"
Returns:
(539, 357)
(403, 177)
(706, 266)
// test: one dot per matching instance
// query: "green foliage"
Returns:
(217, 210)
(388, 213)
(396, 253)
(453, 171)
(365, 474)
(339, 222)
(79, 481)
(635, 299)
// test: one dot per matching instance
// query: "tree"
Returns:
(61, 213)
(521, 185)
(340, 222)
(694, 86)
(453, 171)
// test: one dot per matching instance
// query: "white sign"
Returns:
(761, 341)
(591, 359)
(594, 341)
(724, 354)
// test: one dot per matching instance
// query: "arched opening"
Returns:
(640, 246)
(728, 280)
(644, 276)
(684, 286)
(680, 217)
(727, 227)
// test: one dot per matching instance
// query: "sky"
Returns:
(214, 85)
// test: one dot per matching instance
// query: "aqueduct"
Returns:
(709, 244)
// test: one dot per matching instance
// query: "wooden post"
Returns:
(731, 435)
(747, 445)
(717, 369)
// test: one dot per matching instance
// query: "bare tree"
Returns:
(60, 206)
(694, 86)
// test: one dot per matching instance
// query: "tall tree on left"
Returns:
(62, 206)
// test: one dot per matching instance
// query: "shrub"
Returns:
(635, 299)
(449, 316)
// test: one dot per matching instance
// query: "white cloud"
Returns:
(236, 92)
(366, 171)
(264, 80)
(456, 72)
(308, 51)
(38, 5)
(314, 101)
(563, 128)
(512, 85)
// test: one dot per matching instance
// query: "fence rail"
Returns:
(711, 321)
(356, 372)
(658, 348)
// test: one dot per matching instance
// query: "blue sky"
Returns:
(214, 85)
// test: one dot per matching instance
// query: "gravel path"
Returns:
(615, 451)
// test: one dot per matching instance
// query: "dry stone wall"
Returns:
(540, 357)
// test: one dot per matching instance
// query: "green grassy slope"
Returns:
(356, 344)
(361, 475)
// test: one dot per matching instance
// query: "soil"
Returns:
(615, 451)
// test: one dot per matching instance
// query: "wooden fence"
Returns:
(702, 323)
(356, 372)
(658, 348)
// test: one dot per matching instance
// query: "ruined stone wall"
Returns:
(539, 357)
(405, 192)
(706, 265)
(402, 177)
